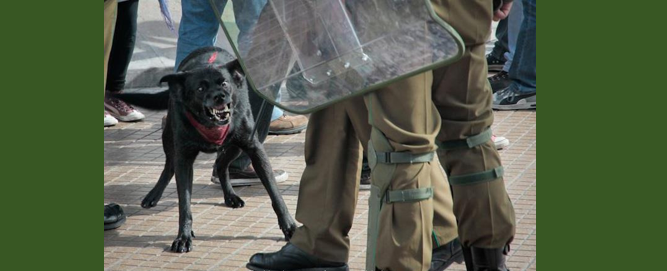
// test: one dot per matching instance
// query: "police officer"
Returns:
(450, 109)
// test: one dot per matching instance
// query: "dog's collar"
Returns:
(215, 135)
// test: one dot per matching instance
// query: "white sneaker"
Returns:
(501, 142)
(109, 120)
(122, 111)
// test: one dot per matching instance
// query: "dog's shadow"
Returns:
(130, 196)
(203, 195)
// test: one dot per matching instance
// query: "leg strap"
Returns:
(469, 143)
(476, 178)
(375, 157)
(412, 195)
(403, 157)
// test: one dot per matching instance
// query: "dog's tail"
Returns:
(157, 101)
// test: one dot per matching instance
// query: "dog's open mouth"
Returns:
(219, 113)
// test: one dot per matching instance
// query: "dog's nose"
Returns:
(220, 98)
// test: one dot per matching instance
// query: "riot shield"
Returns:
(303, 55)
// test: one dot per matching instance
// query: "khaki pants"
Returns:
(406, 114)
(330, 184)
(110, 7)
(463, 96)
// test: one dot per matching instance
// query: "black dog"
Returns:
(208, 111)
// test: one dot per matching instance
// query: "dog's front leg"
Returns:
(260, 161)
(184, 162)
(222, 166)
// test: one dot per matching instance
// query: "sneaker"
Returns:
(122, 111)
(109, 120)
(248, 177)
(500, 81)
(511, 99)
(288, 125)
(501, 142)
(495, 64)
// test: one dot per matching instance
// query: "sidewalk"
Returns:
(226, 238)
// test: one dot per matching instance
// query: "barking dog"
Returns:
(208, 111)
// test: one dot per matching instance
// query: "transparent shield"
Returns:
(303, 55)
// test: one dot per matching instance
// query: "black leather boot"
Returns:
(479, 259)
(446, 255)
(114, 217)
(290, 258)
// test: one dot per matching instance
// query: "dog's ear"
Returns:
(177, 79)
(236, 71)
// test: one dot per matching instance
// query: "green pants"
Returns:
(414, 115)
(330, 184)
(110, 7)
(463, 96)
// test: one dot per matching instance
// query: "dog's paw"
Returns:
(150, 200)
(183, 244)
(288, 227)
(234, 201)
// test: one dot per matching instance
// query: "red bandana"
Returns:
(215, 135)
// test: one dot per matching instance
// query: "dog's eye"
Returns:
(224, 84)
(200, 89)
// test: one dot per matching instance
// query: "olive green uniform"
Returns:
(463, 96)
(450, 107)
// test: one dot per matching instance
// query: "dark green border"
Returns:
(434, 16)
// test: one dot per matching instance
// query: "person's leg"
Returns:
(199, 27)
(502, 80)
(496, 59)
(524, 71)
(514, 22)
(463, 96)
(119, 60)
(113, 214)
(406, 132)
(502, 44)
(328, 192)
(522, 92)
(329, 185)
(110, 7)
(124, 40)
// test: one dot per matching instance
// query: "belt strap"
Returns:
(411, 195)
(469, 143)
(477, 178)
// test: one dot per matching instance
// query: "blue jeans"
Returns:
(514, 22)
(199, 24)
(523, 71)
(199, 27)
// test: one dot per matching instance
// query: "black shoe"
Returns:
(488, 259)
(511, 99)
(114, 217)
(291, 258)
(495, 64)
(366, 176)
(446, 255)
(500, 81)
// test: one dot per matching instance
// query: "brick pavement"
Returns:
(226, 238)
(133, 161)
